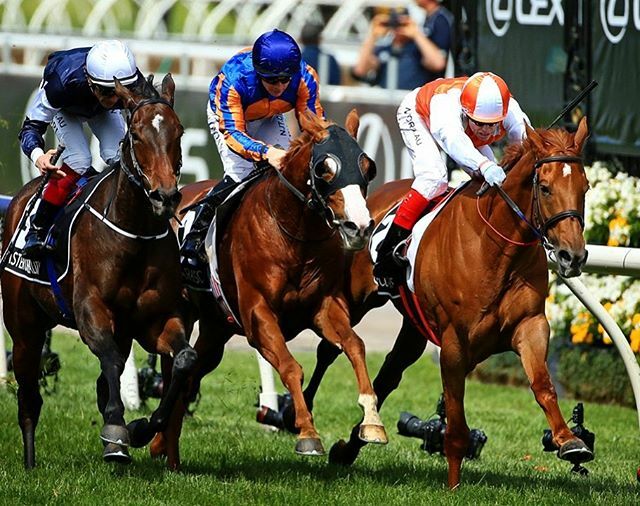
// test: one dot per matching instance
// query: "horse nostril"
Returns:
(564, 257)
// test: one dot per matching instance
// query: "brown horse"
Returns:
(281, 262)
(482, 284)
(124, 278)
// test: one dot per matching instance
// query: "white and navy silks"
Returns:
(65, 101)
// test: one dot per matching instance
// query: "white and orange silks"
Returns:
(432, 120)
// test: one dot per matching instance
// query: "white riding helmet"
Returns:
(108, 59)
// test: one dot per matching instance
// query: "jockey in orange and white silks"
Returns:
(460, 117)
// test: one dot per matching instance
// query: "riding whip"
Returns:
(27, 211)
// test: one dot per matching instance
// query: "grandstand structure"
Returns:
(191, 38)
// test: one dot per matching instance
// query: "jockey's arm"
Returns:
(515, 121)
(39, 114)
(309, 93)
(228, 104)
(446, 128)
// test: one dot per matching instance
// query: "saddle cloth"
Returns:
(59, 238)
(416, 233)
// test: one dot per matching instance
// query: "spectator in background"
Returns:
(314, 56)
(418, 54)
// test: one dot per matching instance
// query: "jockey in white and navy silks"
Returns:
(461, 117)
(77, 88)
(245, 112)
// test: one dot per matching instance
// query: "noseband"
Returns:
(544, 225)
(137, 175)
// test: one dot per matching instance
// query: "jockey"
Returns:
(462, 118)
(245, 112)
(77, 87)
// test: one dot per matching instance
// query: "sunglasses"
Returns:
(480, 124)
(276, 80)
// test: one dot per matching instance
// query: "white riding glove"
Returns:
(493, 174)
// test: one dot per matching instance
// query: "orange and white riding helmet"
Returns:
(485, 98)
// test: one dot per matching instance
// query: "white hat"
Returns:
(108, 59)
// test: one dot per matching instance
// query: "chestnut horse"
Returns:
(123, 280)
(481, 279)
(281, 263)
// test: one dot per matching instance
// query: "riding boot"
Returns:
(41, 222)
(194, 240)
(389, 270)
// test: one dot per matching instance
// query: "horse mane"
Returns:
(557, 139)
(307, 137)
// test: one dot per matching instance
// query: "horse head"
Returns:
(559, 188)
(151, 154)
(337, 176)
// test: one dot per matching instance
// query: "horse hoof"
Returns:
(575, 451)
(310, 446)
(340, 455)
(140, 432)
(373, 434)
(116, 434)
(158, 449)
(116, 453)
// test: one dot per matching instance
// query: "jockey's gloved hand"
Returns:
(493, 174)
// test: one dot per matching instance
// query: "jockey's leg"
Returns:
(194, 240)
(53, 198)
(388, 270)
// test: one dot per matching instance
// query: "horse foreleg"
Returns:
(334, 323)
(453, 369)
(95, 325)
(263, 332)
(27, 348)
(531, 341)
(171, 343)
(408, 347)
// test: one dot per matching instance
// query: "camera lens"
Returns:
(410, 425)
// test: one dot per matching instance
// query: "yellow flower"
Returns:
(635, 340)
(635, 321)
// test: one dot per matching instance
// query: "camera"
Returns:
(278, 419)
(396, 17)
(431, 432)
(150, 380)
(579, 430)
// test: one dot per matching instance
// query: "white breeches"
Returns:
(429, 166)
(108, 127)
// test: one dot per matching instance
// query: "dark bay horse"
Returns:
(481, 279)
(282, 260)
(124, 278)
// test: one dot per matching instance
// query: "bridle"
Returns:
(348, 157)
(136, 175)
(541, 226)
(544, 224)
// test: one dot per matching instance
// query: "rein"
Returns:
(541, 230)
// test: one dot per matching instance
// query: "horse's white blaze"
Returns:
(566, 170)
(158, 118)
(355, 206)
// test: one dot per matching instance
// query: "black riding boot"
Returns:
(37, 235)
(194, 240)
(387, 271)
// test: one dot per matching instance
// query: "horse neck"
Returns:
(128, 206)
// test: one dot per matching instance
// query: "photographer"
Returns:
(398, 53)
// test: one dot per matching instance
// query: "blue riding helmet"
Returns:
(276, 54)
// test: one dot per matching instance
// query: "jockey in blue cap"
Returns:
(245, 112)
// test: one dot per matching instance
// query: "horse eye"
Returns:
(545, 190)
(328, 169)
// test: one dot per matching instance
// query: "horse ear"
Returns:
(352, 123)
(311, 124)
(581, 135)
(534, 139)
(125, 94)
(168, 89)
